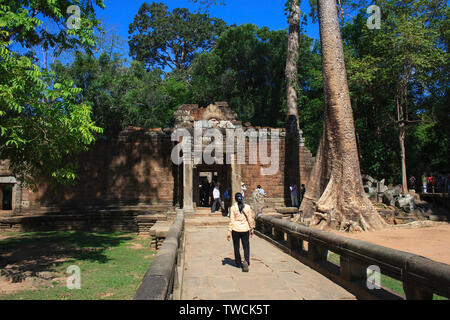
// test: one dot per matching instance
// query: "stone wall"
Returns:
(276, 185)
(134, 169)
(252, 175)
(4, 167)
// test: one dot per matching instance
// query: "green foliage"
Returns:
(42, 121)
(165, 39)
(400, 64)
(125, 96)
(246, 69)
(147, 100)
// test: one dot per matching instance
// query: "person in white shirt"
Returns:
(216, 199)
(261, 190)
(243, 188)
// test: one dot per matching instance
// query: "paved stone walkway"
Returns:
(210, 273)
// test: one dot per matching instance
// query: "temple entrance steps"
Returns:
(203, 217)
(202, 212)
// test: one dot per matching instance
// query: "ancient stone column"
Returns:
(235, 177)
(196, 190)
(188, 168)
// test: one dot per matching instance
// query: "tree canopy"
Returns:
(169, 40)
(49, 112)
(397, 79)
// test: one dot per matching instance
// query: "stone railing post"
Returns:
(412, 292)
(266, 229)
(317, 253)
(188, 168)
(278, 234)
(352, 270)
(294, 243)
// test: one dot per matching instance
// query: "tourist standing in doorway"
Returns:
(241, 230)
(216, 198)
(294, 195)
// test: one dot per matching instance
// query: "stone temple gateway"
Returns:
(129, 182)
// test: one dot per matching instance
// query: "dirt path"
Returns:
(431, 242)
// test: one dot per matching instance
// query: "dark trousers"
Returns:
(244, 237)
(227, 206)
(216, 203)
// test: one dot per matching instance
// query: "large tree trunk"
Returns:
(292, 139)
(318, 179)
(401, 138)
(291, 66)
(343, 204)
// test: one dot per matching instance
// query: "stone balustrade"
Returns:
(163, 278)
(421, 277)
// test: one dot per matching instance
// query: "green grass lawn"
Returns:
(112, 264)
(386, 282)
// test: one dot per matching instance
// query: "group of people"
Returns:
(431, 183)
(211, 196)
(206, 193)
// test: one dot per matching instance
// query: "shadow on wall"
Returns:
(292, 162)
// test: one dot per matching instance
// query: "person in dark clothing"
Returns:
(412, 182)
(294, 195)
(302, 193)
(227, 201)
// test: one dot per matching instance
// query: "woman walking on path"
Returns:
(241, 229)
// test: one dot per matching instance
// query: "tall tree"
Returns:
(413, 56)
(343, 204)
(291, 65)
(169, 40)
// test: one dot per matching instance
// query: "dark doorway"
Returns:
(205, 177)
(6, 196)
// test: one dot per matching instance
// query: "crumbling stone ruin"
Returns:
(125, 180)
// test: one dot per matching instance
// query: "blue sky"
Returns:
(270, 13)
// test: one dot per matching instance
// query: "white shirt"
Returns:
(216, 193)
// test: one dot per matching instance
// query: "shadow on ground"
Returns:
(229, 262)
(31, 254)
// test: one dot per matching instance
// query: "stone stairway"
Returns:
(203, 217)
